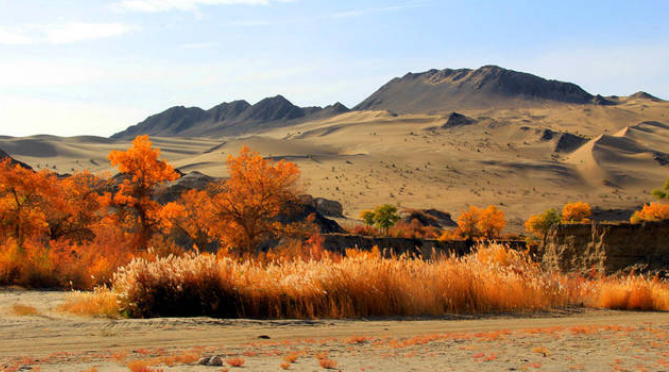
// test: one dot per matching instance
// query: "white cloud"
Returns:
(11, 38)
(73, 32)
(65, 33)
(152, 6)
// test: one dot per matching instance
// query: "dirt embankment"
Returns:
(607, 247)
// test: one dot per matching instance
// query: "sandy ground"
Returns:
(592, 340)
(367, 158)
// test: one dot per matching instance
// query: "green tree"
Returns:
(540, 224)
(385, 216)
(663, 193)
(367, 217)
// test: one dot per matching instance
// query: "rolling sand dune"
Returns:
(512, 157)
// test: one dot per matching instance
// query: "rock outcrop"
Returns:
(607, 247)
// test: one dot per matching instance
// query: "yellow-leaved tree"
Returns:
(248, 202)
(143, 173)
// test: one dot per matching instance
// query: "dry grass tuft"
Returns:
(25, 310)
(99, 303)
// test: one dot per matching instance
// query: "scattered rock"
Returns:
(203, 361)
(216, 361)
(547, 135)
(327, 207)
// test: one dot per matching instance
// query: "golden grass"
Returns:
(99, 303)
(25, 310)
(493, 279)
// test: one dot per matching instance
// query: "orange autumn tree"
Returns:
(576, 212)
(467, 222)
(248, 202)
(477, 222)
(24, 202)
(143, 172)
(490, 222)
(193, 215)
(79, 207)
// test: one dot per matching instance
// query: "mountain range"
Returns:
(430, 92)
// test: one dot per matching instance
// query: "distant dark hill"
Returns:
(228, 118)
(645, 96)
(437, 91)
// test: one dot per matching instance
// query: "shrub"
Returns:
(663, 193)
(576, 212)
(413, 230)
(236, 361)
(99, 303)
(651, 212)
(327, 363)
(540, 224)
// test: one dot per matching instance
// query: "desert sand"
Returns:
(366, 158)
(575, 339)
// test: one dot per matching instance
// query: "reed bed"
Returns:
(494, 279)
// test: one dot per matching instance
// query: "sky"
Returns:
(94, 67)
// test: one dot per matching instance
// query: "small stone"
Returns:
(264, 337)
(203, 361)
(215, 361)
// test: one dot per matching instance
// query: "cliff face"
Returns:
(607, 247)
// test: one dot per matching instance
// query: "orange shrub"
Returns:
(576, 212)
(651, 212)
(236, 361)
(364, 230)
(327, 363)
(413, 230)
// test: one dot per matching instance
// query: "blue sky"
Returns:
(72, 67)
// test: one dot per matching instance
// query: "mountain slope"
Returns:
(490, 86)
(232, 118)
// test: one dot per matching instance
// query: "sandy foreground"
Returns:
(590, 340)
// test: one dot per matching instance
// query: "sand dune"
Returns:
(365, 158)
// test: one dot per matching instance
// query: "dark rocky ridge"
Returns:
(489, 86)
(228, 118)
